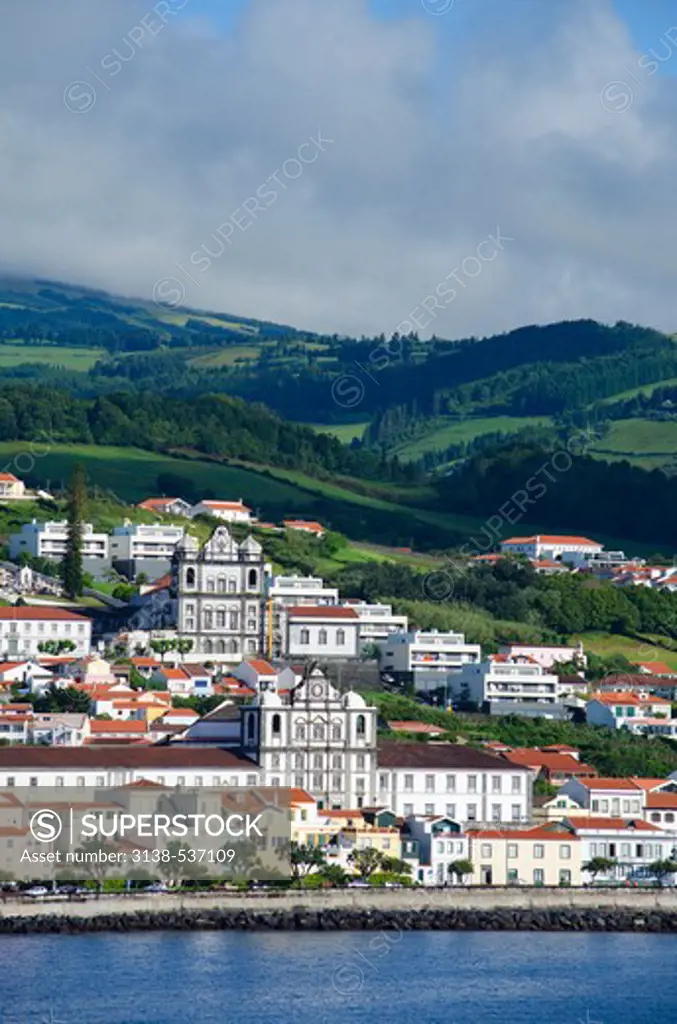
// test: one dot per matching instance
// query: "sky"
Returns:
(351, 166)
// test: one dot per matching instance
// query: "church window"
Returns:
(360, 725)
(222, 584)
(300, 731)
(322, 637)
(276, 726)
(251, 727)
(190, 577)
(305, 636)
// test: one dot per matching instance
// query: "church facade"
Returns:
(313, 738)
(220, 596)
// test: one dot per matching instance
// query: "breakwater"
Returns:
(438, 910)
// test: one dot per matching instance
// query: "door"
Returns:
(487, 876)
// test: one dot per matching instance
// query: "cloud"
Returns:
(133, 144)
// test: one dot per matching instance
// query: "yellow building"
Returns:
(548, 854)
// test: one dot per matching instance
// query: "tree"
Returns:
(184, 646)
(458, 869)
(56, 646)
(67, 699)
(334, 874)
(71, 564)
(662, 869)
(599, 866)
(366, 861)
(303, 859)
(395, 866)
(163, 647)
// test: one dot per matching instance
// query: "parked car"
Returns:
(155, 887)
(357, 883)
(36, 890)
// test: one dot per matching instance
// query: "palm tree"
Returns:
(304, 858)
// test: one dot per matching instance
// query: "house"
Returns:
(440, 841)
(118, 731)
(546, 854)
(228, 511)
(300, 590)
(606, 797)
(554, 808)
(661, 808)
(433, 732)
(377, 622)
(166, 506)
(14, 722)
(546, 655)
(464, 784)
(59, 729)
(178, 716)
(145, 666)
(555, 768)
(426, 659)
(506, 679)
(305, 526)
(656, 668)
(29, 674)
(260, 675)
(632, 845)
(11, 488)
(48, 540)
(24, 628)
(321, 632)
(550, 546)
(177, 680)
(631, 711)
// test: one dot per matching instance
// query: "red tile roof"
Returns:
(606, 783)
(235, 506)
(613, 823)
(27, 613)
(657, 668)
(545, 538)
(322, 612)
(551, 762)
(660, 799)
(133, 725)
(554, 832)
(302, 524)
(264, 668)
(628, 698)
(421, 727)
(153, 503)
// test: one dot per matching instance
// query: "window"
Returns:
(275, 761)
(451, 783)
(234, 620)
(298, 760)
(298, 781)
(322, 638)
(10, 782)
(472, 812)
(626, 807)
(340, 637)
(304, 637)
(408, 810)
(565, 877)
(211, 585)
(276, 725)
(517, 783)
(336, 732)
(539, 851)
(655, 816)
(59, 780)
(198, 780)
(495, 812)
(670, 817)
(100, 781)
(408, 783)
(565, 852)
(190, 577)
(336, 782)
(251, 727)
(81, 780)
(318, 731)
(318, 761)
(251, 780)
(337, 761)
(440, 847)
(486, 850)
(430, 783)
(181, 781)
(472, 783)
(275, 781)
(383, 782)
(495, 783)
(512, 851)
(515, 812)
(512, 875)
(216, 780)
(252, 579)
(360, 725)
(300, 731)
(360, 762)
(430, 808)
(539, 876)
(625, 849)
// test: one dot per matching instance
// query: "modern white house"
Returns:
(24, 628)
(427, 658)
(441, 841)
(48, 540)
(300, 590)
(138, 547)
(321, 632)
(11, 488)
(501, 679)
(547, 655)
(550, 546)
(227, 511)
(631, 843)
(457, 781)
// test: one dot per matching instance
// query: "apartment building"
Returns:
(543, 855)
(427, 659)
(502, 679)
(377, 622)
(463, 784)
(632, 845)
(138, 548)
(48, 540)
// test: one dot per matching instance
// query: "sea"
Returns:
(316, 978)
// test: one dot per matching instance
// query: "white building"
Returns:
(501, 679)
(301, 590)
(632, 844)
(441, 841)
(59, 729)
(377, 622)
(48, 540)
(553, 547)
(24, 628)
(137, 547)
(166, 506)
(547, 655)
(305, 526)
(427, 658)
(463, 784)
(228, 511)
(321, 632)
(119, 765)
(220, 590)
(606, 797)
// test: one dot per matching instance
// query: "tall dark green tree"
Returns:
(71, 565)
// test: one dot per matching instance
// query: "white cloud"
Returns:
(432, 149)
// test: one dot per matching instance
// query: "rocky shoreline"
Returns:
(307, 918)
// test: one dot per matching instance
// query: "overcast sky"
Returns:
(128, 141)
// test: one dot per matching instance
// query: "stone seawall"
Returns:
(446, 910)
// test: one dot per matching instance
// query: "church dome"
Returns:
(353, 700)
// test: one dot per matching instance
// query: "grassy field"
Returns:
(644, 389)
(464, 431)
(606, 644)
(226, 356)
(75, 359)
(345, 432)
(641, 437)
